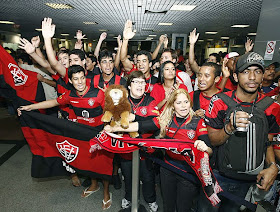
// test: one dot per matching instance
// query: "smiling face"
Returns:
(106, 65)
(76, 60)
(250, 79)
(137, 88)
(182, 106)
(206, 78)
(89, 64)
(78, 80)
(143, 64)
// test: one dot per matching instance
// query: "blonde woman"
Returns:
(179, 122)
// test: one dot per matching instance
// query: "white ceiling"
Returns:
(209, 15)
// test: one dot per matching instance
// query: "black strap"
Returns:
(196, 104)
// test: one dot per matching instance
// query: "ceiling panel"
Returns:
(209, 15)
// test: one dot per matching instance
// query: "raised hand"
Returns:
(103, 36)
(119, 41)
(249, 45)
(128, 33)
(193, 37)
(79, 35)
(225, 69)
(162, 38)
(26, 45)
(48, 28)
(165, 42)
(35, 41)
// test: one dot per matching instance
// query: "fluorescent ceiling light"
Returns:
(148, 38)
(103, 30)
(165, 24)
(183, 7)
(152, 35)
(63, 39)
(211, 33)
(210, 39)
(38, 30)
(225, 38)
(252, 33)
(7, 22)
(90, 22)
(59, 6)
(64, 34)
(200, 40)
(240, 26)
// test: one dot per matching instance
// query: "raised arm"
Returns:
(226, 74)
(128, 33)
(30, 49)
(40, 105)
(98, 46)
(48, 30)
(79, 43)
(160, 42)
(192, 40)
(45, 80)
(118, 55)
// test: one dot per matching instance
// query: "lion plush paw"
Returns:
(107, 117)
(133, 134)
(124, 119)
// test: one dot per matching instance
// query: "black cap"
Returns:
(249, 59)
(268, 63)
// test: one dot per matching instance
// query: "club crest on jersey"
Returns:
(19, 77)
(90, 102)
(191, 134)
(85, 114)
(143, 111)
(67, 150)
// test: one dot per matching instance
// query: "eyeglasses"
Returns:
(139, 82)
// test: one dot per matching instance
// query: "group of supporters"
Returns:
(171, 98)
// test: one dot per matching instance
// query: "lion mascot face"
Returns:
(117, 107)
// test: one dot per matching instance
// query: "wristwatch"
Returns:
(277, 166)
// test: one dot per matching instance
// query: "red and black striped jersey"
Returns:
(98, 81)
(216, 113)
(194, 130)
(88, 108)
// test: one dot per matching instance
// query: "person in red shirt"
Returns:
(179, 121)
(167, 84)
(208, 76)
(143, 113)
(87, 103)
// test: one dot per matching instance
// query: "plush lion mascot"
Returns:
(117, 107)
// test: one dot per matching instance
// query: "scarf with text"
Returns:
(198, 161)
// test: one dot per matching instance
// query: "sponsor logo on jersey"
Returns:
(67, 150)
(19, 77)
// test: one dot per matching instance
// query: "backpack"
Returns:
(242, 156)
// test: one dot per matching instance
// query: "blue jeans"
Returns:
(236, 187)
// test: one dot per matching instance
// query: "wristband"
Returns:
(228, 133)
(277, 166)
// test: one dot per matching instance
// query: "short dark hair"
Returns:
(104, 54)
(217, 68)
(63, 51)
(173, 53)
(75, 69)
(161, 72)
(78, 52)
(25, 58)
(218, 57)
(144, 52)
(93, 58)
(133, 75)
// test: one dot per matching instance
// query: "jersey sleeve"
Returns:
(157, 93)
(215, 115)
(64, 98)
(273, 117)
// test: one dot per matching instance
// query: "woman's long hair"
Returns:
(161, 72)
(167, 115)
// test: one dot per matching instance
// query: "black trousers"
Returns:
(147, 176)
(177, 192)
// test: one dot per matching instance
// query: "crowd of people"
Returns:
(227, 107)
